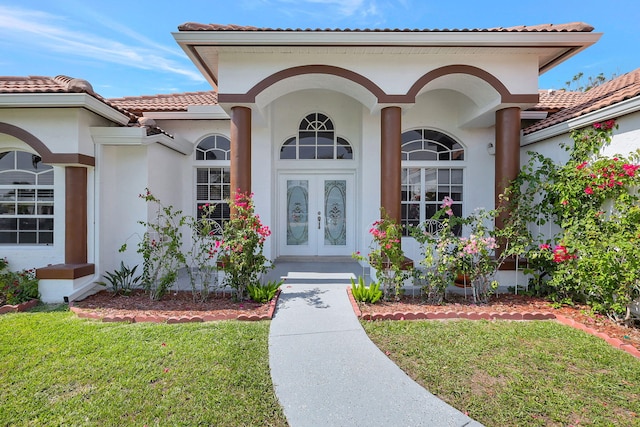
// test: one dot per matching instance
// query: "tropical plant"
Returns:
(367, 294)
(264, 293)
(122, 281)
(242, 258)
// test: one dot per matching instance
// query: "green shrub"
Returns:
(366, 294)
(263, 293)
(17, 286)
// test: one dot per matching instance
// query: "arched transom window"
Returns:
(316, 140)
(26, 199)
(432, 169)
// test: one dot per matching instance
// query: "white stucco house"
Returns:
(325, 127)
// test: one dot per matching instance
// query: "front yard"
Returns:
(504, 373)
(60, 370)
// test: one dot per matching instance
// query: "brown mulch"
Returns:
(175, 304)
(181, 304)
(508, 303)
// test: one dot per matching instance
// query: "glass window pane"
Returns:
(28, 224)
(10, 238)
(307, 138)
(456, 176)
(223, 143)
(13, 177)
(443, 176)
(45, 209)
(345, 153)
(8, 224)
(207, 144)
(46, 238)
(202, 176)
(7, 160)
(26, 209)
(202, 192)
(307, 153)
(7, 195)
(7, 209)
(26, 195)
(325, 152)
(45, 224)
(411, 135)
(214, 155)
(288, 153)
(28, 238)
(325, 138)
(45, 178)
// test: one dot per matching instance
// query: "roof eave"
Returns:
(64, 100)
(614, 111)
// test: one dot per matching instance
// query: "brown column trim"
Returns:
(65, 271)
(240, 149)
(75, 250)
(507, 161)
(391, 161)
(39, 147)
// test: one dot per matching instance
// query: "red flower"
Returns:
(588, 190)
(581, 165)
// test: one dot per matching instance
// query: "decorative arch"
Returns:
(44, 152)
(374, 89)
(493, 81)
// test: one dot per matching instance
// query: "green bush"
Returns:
(17, 286)
(362, 293)
(263, 293)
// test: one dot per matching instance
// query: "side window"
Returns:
(432, 169)
(316, 140)
(26, 199)
(213, 179)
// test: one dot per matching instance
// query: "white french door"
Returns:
(316, 214)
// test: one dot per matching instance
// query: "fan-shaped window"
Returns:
(316, 140)
(213, 178)
(430, 145)
(214, 147)
(429, 174)
(26, 199)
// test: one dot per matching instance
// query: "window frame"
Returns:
(43, 227)
(308, 130)
(432, 205)
(212, 167)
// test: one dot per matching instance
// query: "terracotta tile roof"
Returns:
(570, 27)
(170, 102)
(614, 91)
(554, 100)
(57, 84)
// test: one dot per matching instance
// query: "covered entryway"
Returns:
(316, 214)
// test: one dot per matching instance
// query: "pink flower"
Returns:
(447, 202)
(597, 125)
(581, 165)
(449, 212)
(545, 246)
(565, 202)
(588, 190)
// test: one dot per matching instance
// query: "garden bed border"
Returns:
(23, 306)
(90, 314)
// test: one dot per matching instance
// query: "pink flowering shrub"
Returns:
(17, 286)
(595, 258)
(244, 235)
(386, 256)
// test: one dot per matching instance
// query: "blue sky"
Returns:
(125, 47)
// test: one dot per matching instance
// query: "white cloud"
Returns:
(32, 28)
(344, 8)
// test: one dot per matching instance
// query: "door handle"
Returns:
(319, 219)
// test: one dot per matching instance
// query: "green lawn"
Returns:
(517, 373)
(56, 369)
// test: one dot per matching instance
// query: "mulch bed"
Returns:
(176, 307)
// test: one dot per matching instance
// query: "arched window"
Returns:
(26, 199)
(213, 179)
(316, 140)
(431, 171)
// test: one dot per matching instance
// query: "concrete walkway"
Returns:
(327, 372)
